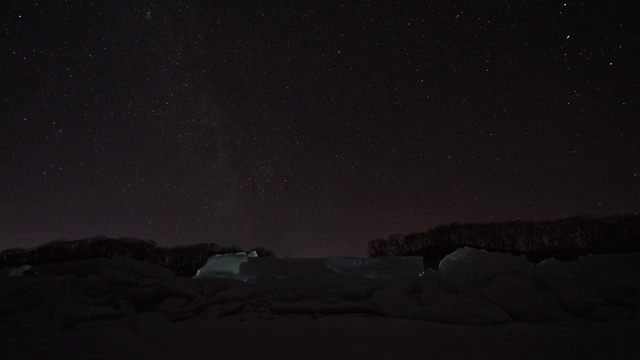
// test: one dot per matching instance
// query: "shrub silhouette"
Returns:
(564, 239)
(184, 260)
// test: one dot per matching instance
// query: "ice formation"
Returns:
(467, 266)
(250, 267)
(472, 287)
(377, 268)
(14, 271)
(224, 265)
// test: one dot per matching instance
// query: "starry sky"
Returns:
(311, 127)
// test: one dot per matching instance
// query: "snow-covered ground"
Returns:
(335, 337)
(478, 305)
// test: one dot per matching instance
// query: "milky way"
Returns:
(310, 128)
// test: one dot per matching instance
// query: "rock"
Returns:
(461, 310)
(181, 286)
(602, 313)
(79, 267)
(120, 276)
(393, 303)
(319, 307)
(576, 294)
(171, 305)
(141, 268)
(84, 312)
(518, 298)
(468, 266)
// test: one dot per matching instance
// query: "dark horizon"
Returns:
(310, 129)
(380, 237)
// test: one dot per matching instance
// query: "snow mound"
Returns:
(472, 287)
(469, 266)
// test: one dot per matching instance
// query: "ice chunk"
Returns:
(308, 268)
(520, 299)
(393, 303)
(171, 305)
(224, 265)
(468, 266)
(461, 310)
(617, 276)
(392, 267)
(233, 294)
(127, 308)
(340, 264)
(374, 268)
(120, 276)
(556, 268)
(320, 307)
(592, 266)
(269, 266)
(181, 286)
(84, 312)
(577, 294)
(14, 271)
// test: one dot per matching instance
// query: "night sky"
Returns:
(309, 127)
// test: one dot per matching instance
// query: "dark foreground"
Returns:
(335, 337)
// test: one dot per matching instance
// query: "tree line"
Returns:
(184, 260)
(564, 238)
